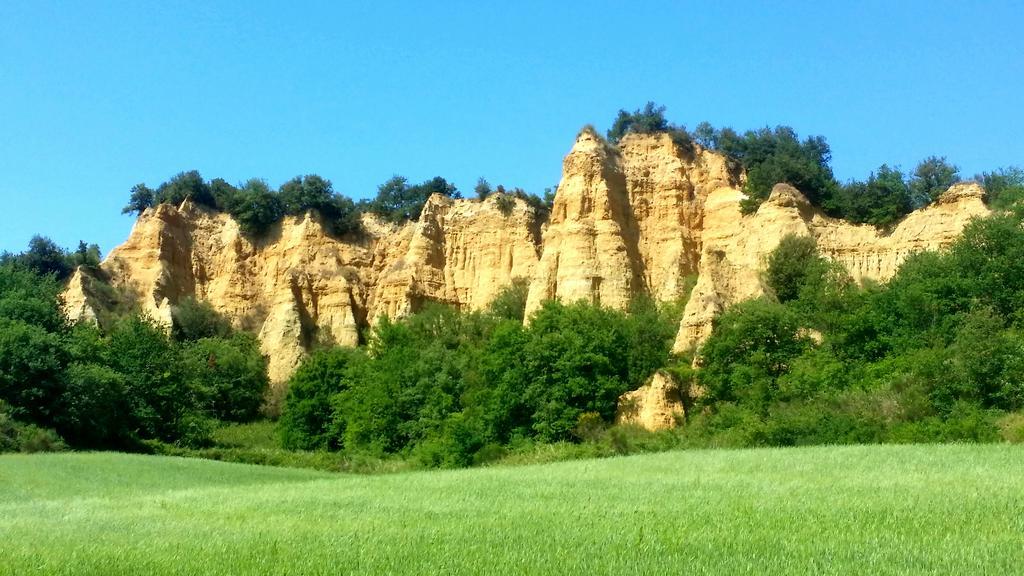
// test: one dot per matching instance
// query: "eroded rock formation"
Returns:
(657, 405)
(644, 217)
(300, 285)
(736, 247)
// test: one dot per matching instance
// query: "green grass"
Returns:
(953, 509)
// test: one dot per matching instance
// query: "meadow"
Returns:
(928, 509)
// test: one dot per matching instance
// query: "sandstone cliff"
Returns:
(626, 220)
(299, 285)
(735, 247)
(645, 217)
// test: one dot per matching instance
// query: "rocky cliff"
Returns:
(300, 285)
(645, 217)
(736, 247)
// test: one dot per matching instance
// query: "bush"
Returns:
(307, 421)
(229, 376)
(398, 201)
(646, 120)
(193, 320)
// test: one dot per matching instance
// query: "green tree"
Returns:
(646, 120)
(510, 302)
(185, 185)
(751, 346)
(482, 189)
(398, 201)
(881, 201)
(142, 197)
(308, 421)
(193, 320)
(229, 375)
(1004, 188)
(45, 257)
(932, 177)
(257, 208)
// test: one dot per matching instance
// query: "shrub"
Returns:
(229, 376)
(646, 120)
(193, 320)
(307, 421)
(510, 302)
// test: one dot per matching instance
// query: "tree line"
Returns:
(256, 207)
(119, 386)
(769, 156)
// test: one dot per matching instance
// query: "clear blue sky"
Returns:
(98, 96)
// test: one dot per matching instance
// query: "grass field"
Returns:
(955, 509)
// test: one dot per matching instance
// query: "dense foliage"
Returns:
(1004, 188)
(118, 387)
(937, 354)
(647, 120)
(454, 388)
(45, 257)
(257, 207)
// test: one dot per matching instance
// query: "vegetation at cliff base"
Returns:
(121, 385)
(946, 509)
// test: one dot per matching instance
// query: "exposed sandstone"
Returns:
(657, 405)
(736, 247)
(643, 217)
(299, 285)
(626, 220)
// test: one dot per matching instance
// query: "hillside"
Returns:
(642, 217)
(882, 510)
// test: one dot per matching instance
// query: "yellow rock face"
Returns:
(626, 220)
(657, 405)
(736, 247)
(299, 285)
(639, 218)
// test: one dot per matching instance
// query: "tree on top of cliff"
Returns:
(646, 120)
(932, 177)
(186, 185)
(304, 193)
(398, 201)
(142, 197)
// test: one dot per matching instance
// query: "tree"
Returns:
(229, 375)
(304, 193)
(482, 189)
(141, 199)
(646, 120)
(85, 255)
(308, 419)
(1004, 187)
(704, 134)
(44, 257)
(257, 209)
(193, 320)
(510, 302)
(397, 201)
(224, 195)
(881, 201)
(789, 264)
(751, 345)
(185, 186)
(932, 177)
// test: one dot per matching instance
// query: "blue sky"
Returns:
(98, 96)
